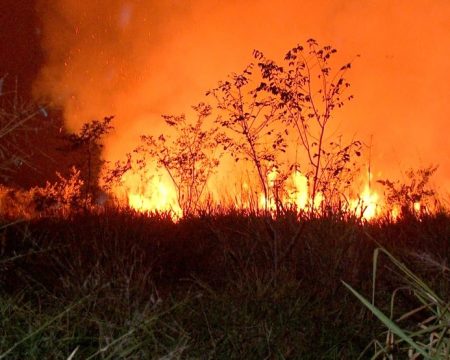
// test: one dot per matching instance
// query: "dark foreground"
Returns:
(123, 285)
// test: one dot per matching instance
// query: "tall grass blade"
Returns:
(389, 323)
(43, 327)
(374, 273)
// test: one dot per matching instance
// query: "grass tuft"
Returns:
(119, 284)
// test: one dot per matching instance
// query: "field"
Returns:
(175, 185)
(119, 284)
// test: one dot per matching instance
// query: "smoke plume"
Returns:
(138, 59)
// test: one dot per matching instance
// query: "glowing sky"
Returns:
(140, 59)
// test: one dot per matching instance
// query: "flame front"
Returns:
(155, 195)
(158, 194)
(367, 205)
(139, 59)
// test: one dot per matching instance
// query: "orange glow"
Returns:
(148, 191)
(367, 205)
(295, 195)
(140, 59)
(395, 212)
(154, 195)
(299, 196)
(417, 207)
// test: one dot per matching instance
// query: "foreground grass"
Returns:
(124, 285)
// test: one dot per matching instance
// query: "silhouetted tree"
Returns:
(189, 154)
(250, 116)
(89, 141)
(113, 173)
(415, 190)
(307, 93)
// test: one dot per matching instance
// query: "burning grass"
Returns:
(257, 273)
(122, 284)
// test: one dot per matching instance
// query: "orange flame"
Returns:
(154, 195)
(157, 193)
(367, 206)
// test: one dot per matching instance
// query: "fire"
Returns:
(269, 202)
(296, 194)
(417, 207)
(156, 195)
(300, 195)
(151, 189)
(159, 195)
(367, 205)
(131, 40)
(395, 212)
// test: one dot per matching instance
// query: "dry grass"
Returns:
(120, 284)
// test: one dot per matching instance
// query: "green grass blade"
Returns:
(374, 273)
(388, 322)
(43, 327)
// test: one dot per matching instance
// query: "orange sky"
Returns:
(140, 59)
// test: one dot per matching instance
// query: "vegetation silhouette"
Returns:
(256, 117)
(113, 282)
(189, 156)
(308, 91)
(89, 141)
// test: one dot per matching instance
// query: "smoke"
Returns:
(139, 59)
